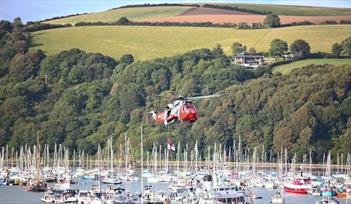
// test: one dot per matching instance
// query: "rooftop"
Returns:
(245, 54)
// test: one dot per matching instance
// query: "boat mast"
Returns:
(142, 158)
(99, 163)
(37, 161)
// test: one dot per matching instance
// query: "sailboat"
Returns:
(37, 185)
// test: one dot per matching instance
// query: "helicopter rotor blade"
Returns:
(158, 96)
(203, 97)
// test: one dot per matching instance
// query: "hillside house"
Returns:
(247, 60)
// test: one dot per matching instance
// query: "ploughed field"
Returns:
(247, 18)
(147, 42)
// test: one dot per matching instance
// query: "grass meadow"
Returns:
(134, 14)
(147, 42)
(287, 68)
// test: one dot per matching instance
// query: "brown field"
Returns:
(217, 18)
(220, 16)
(211, 11)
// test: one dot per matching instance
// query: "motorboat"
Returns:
(111, 180)
(229, 195)
(66, 197)
(48, 197)
(296, 186)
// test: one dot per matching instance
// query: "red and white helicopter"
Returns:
(181, 109)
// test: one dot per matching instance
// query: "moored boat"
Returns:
(327, 200)
(297, 186)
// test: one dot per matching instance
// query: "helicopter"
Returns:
(181, 109)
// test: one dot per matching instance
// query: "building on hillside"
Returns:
(247, 60)
(288, 56)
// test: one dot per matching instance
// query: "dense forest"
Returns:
(81, 99)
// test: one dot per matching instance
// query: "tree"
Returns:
(271, 21)
(252, 51)
(131, 97)
(5, 27)
(17, 23)
(300, 48)
(127, 59)
(278, 47)
(238, 48)
(346, 47)
(123, 21)
(21, 46)
(336, 49)
(25, 66)
(218, 50)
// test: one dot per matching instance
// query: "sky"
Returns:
(33, 10)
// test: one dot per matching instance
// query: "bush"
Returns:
(257, 25)
(123, 21)
(127, 59)
(345, 22)
(301, 23)
(329, 22)
(243, 25)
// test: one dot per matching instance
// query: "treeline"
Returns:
(81, 99)
(36, 26)
(126, 22)
(156, 5)
(235, 8)
(272, 21)
(59, 17)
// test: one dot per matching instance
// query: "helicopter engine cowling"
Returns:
(187, 112)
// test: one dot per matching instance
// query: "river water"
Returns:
(17, 194)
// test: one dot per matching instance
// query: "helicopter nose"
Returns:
(192, 116)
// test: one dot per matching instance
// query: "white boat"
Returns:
(111, 180)
(48, 197)
(229, 195)
(63, 184)
(327, 200)
(66, 200)
(153, 179)
(65, 196)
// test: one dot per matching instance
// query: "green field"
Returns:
(287, 68)
(113, 15)
(147, 42)
(295, 10)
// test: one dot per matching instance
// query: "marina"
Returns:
(223, 176)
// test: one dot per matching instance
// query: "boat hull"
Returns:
(295, 190)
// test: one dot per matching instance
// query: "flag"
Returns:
(170, 145)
